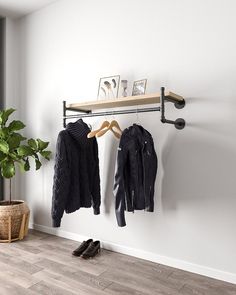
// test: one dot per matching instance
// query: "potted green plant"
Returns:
(16, 150)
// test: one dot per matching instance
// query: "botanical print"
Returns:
(108, 87)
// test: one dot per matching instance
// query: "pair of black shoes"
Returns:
(88, 249)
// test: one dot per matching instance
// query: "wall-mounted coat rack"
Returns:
(89, 109)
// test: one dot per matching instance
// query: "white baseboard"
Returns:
(180, 264)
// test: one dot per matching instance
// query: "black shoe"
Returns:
(82, 247)
(92, 250)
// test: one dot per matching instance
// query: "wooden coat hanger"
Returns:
(94, 132)
(113, 124)
(117, 134)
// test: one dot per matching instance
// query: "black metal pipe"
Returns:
(179, 123)
(64, 108)
(110, 113)
(64, 113)
(78, 110)
(162, 98)
(168, 121)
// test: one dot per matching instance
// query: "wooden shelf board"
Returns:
(123, 102)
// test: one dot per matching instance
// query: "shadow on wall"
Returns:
(40, 215)
(196, 167)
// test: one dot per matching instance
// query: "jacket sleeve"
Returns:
(119, 187)
(61, 181)
(154, 174)
(96, 194)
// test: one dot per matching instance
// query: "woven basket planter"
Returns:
(14, 221)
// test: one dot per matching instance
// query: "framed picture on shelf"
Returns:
(139, 87)
(108, 87)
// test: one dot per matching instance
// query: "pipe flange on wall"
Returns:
(178, 123)
(180, 104)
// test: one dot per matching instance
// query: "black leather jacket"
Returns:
(136, 170)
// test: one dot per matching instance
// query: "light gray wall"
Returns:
(187, 46)
(11, 88)
(2, 42)
(2, 67)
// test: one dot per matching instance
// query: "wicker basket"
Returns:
(14, 221)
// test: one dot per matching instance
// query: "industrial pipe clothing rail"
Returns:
(86, 109)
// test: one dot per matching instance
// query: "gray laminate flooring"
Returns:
(43, 264)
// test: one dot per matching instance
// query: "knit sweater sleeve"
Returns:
(96, 194)
(61, 181)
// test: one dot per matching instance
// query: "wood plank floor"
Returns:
(43, 264)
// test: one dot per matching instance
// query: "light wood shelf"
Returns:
(123, 102)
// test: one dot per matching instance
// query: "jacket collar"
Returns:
(139, 132)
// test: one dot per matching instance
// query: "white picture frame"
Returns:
(139, 87)
(108, 87)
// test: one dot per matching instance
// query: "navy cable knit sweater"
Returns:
(76, 172)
